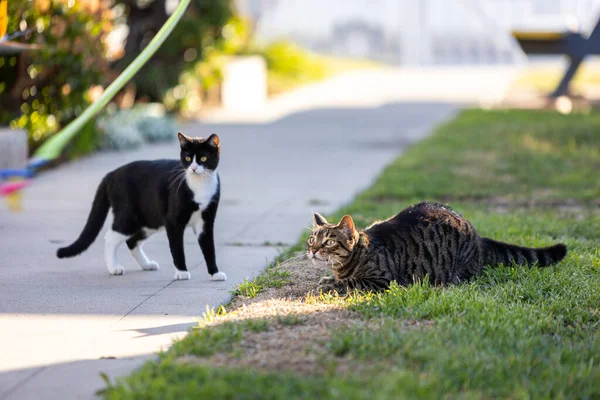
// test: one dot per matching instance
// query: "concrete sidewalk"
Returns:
(65, 321)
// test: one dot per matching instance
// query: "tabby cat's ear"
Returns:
(319, 220)
(347, 223)
(214, 140)
(183, 140)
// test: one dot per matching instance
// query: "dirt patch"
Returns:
(300, 326)
(299, 348)
(297, 338)
(304, 278)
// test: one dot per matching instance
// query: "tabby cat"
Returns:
(147, 196)
(426, 239)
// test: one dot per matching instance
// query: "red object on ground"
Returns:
(9, 187)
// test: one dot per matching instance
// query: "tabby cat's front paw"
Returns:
(182, 275)
(326, 280)
(326, 288)
(219, 276)
(330, 284)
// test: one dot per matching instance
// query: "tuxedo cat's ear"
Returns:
(214, 140)
(183, 140)
(347, 223)
(318, 220)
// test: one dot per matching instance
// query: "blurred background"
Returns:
(424, 32)
(235, 53)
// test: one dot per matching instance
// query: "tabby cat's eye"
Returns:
(188, 158)
(330, 243)
(203, 159)
(311, 240)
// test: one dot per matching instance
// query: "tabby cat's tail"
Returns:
(93, 225)
(495, 253)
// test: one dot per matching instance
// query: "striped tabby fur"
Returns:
(426, 239)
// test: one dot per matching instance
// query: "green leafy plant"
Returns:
(44, 89)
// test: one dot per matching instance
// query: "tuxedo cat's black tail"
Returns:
(496, 252)
(93, 225)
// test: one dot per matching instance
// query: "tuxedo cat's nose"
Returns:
(194, 168)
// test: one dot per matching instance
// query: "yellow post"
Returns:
(3, 17)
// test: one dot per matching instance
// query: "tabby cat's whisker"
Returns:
(341, 264)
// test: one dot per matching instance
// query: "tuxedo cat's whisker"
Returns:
(175, 178)
(183, 179)
(178, 182)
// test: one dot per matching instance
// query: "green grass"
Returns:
(169, 380)
(540, 156)
(290, 319)
(511, 333)
(270, 278)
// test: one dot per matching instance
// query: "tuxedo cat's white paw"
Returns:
(116, 270)
(150, 266)
(182, 276)
(219, 276)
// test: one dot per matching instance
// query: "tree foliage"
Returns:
(195, 36)
(42, 90)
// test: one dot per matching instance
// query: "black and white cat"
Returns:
(147, 196)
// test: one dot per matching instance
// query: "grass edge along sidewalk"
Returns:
(519, 176)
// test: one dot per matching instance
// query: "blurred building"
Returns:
(417, 32)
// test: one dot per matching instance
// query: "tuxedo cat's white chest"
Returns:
(196, 222)
(204, 188)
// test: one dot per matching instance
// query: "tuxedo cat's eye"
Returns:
(203, 159)
(188, 158)
(311, 240)
(330, 243)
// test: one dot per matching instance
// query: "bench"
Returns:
(572, 44)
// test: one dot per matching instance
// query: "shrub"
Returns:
(43, 90)
(289, 65)
(144, 123)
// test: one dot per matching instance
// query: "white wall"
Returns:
(416, 32)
